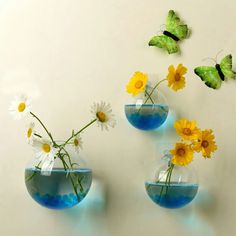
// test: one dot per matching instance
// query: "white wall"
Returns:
(67, 54)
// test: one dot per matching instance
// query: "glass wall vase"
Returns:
(58, 188)
(172, 186)
(147, 112)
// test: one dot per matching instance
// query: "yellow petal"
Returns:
(171, 69)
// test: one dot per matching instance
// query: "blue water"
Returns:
(148, 117)
(175, 196)
(56, 191)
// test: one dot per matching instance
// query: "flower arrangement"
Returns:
(47, 150)
(193, 140)
(139, 82)
(150, 109)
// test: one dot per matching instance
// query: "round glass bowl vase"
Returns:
(172, 188)
(147, 113)
(58, 189)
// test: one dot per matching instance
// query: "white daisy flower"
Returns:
(44, 150)
(30, 133)
(103, 113)
(77, 143)
(45, 153)
(20, 107)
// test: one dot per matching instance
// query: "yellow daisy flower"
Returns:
(182, 154)
(187, 129)
(205, 143)
(137, 83)
(175, 78)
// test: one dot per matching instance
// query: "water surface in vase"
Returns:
(56, 191)
(146, 116)
(175, 196)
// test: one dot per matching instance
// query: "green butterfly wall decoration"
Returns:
(212, 76)
(175, 31)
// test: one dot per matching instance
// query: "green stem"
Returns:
(149, 97)
(154, 89)
(168, 178)
(66, 167)
(49, 134)
(37, 135)
(150, 94)
(62, 147)
(67, 154)
(81, 186)
(81, 130)
(159, 180)
(167, 171)
(36, 167)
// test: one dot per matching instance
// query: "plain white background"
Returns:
(67, 54)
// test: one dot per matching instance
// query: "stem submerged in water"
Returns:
(66, 168)
(154, 88)
(150, 94)
(62, 152)
(31, 176)
(168, 180)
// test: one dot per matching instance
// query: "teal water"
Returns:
(175, 196)
(56, 191)
(148, 117)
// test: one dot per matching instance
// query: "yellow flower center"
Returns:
(205, 143)
(138, 84)
(177, 77)
(21, 107)
(29, 132)
(101, 116)
(46, 147)
(76, 142)
(180, 152)
(187, 131)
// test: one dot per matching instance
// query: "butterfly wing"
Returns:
(175, 26)
(226, 67)
(165, 42)
(209, 75)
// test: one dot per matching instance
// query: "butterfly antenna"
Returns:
(159, 31)
(189, 33)
(209, 58)
(219, 54)
(162, 27)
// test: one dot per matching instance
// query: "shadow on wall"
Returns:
(164, 137)
(206, 202)
(192, 217)
(166, 130)
(88, 218)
